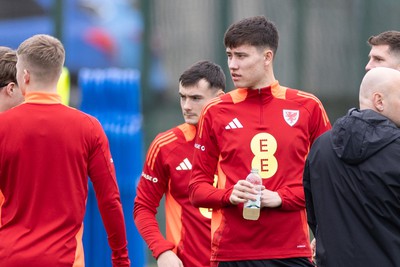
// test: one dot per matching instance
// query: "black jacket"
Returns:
(352, 190)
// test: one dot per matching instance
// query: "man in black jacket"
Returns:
(352, 180)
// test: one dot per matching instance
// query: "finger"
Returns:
(246, 184)
(235, 199)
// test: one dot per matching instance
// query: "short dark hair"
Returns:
(390, 38)
(255, 31)
(207, 70)
(8, 69)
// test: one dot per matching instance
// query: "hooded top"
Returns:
(361, 134)
(352, 190)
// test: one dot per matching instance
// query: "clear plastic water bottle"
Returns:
(251, 209)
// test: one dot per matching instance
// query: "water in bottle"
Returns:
(251, 209)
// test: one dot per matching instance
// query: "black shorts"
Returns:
(292, 262)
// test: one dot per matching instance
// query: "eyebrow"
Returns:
(376, 56)
(196, 95)
(237, 53)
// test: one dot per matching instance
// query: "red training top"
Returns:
(167, 171)
(270, 129)
(47, 152)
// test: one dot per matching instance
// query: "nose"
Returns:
(232, 63)
(186, 104)
(369, 66)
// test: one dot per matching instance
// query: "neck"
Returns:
(42, 88)
(3, 101)
(268, 80)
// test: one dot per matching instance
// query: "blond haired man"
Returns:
(47, 152)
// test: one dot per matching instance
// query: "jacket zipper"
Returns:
(261, 107)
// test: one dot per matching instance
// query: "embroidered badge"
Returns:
(291, 116)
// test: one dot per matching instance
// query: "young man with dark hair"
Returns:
(385, 50)
(261, 125)
(167, 171)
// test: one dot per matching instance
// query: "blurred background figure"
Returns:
(10, 93)
(95, 33)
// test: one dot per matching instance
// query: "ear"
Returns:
(27, 76)
(378, 101)
(268, 56)
(10, 89)
(220, 92)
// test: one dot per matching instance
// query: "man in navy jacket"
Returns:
(352, 180)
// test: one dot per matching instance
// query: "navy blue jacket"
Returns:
(352, 190)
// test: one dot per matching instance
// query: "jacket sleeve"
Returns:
(202, 193)
(319, 121)
(102, 174)
(308, 196)
(152, 186)
(292, 197)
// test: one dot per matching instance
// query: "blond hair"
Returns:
(43, 55)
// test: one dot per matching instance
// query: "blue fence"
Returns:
(113, 97)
